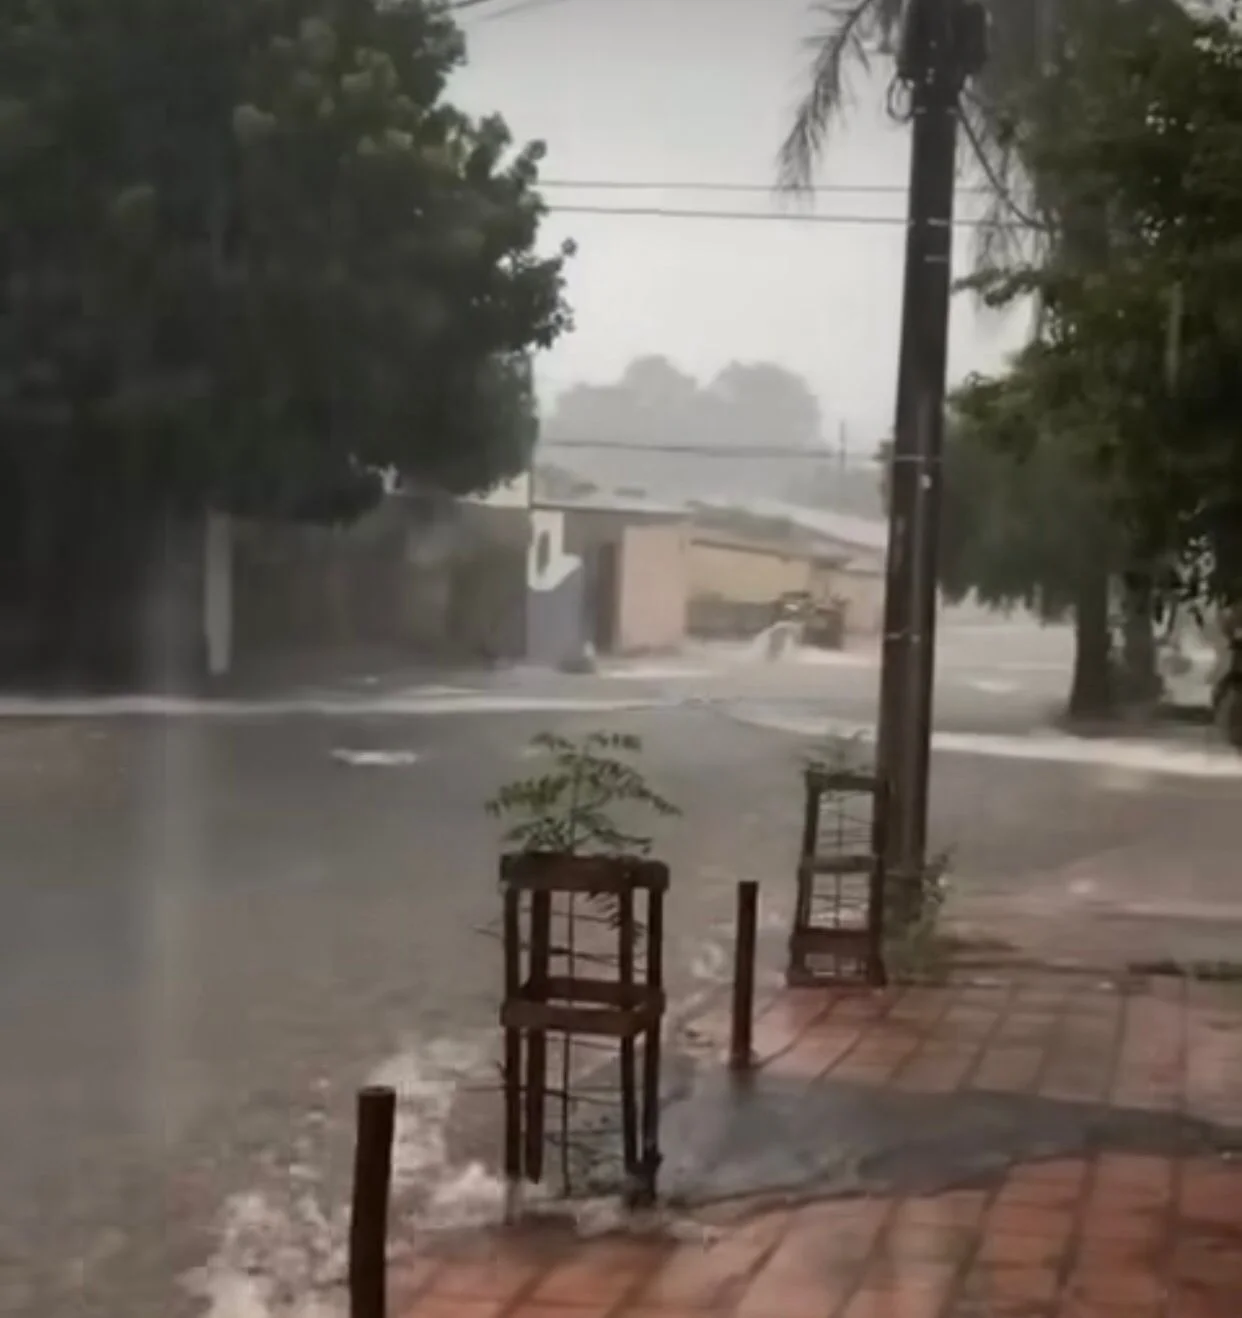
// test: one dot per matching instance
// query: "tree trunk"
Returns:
(1092, 694)
(1140, 675)
(1227, 689)
(90, 573)
(85, 617)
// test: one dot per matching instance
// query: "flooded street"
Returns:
(216, 927)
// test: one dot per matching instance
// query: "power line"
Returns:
(697, 213)
(825, 454)
(767, 189)
(518, 7)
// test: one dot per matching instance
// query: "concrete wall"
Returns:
(427, 576)
(654, 588)
(862, 589)
(732, 584)
(744, 574)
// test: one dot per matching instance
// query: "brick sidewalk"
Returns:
(1157, 1044)
(1103, 1234)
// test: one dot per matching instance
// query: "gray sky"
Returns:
(701, 91)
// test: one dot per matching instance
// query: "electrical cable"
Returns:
(759, 451)
(508, 11)
(766, 189)
(998, 189)
(695, 213)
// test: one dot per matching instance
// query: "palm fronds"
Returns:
(844, 43)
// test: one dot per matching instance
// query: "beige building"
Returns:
(635, 561)
(743, 560)
(859, 584)
(750, 572)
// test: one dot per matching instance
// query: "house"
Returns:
(608, 572)
(736, 577)
(743, 558)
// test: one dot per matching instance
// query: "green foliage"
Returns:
(251, 257)
(1139, 134)
(571, 807)
(1024, 513)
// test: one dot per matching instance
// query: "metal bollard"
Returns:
(368, 1222)
(740, 1052)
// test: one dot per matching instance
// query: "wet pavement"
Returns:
(1106, 1236)
(1054, 1148)
(213, 928)
(918, 1089)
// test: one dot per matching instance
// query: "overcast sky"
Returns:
(693, 91)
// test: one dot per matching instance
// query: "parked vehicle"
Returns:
(820, 623)
(826, 627)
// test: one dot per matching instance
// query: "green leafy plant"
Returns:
(915, 945)
(572, 805)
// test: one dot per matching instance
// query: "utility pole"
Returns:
(943, 44)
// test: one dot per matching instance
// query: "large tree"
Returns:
(1147, 132)
(1026, 517)
(1150, 325)
(251, 259)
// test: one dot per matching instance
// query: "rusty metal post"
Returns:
(629, 1070)
(537, 1040)
(740, 1052)
(368, 1223)
(514, 1165)
(649, 1137)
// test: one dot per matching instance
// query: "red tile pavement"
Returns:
(1163, 1045)
(1112, 1236)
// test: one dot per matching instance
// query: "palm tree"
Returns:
(1022, 39)
(1026, 42)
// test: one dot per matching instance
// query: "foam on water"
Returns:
(281, 1253)
(1128, 755)
(349, 707)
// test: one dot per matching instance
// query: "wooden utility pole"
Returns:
(942, 46)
